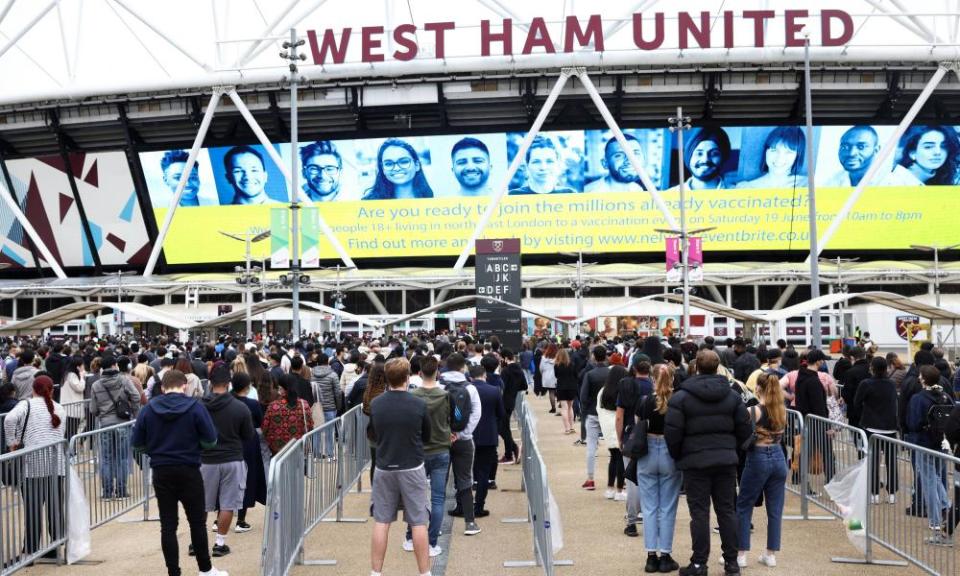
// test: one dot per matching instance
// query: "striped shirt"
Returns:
(39, 431)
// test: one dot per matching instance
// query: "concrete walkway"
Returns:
(591, 526)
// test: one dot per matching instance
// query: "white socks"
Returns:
(221, 539)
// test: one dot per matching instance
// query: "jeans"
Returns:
(659, 493)
(328, 449)
(115, 462)
(461, 461)
(484, 459)
(184, 485)
(718, 484)
(437, 467)
(890, 461)
(934, 492)
(37, 494)
(633, 498)
(765, 473)
(593, 438)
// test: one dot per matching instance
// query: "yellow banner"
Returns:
(884, 218)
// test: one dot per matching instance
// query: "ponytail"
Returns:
(289, 384)
(43, 387)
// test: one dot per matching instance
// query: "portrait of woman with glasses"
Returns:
(399, 173)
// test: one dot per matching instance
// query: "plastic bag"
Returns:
(78, 520)
(556, 527)
(848, 490)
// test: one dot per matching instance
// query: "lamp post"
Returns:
(678, 124)
(338, 296)
(294, 58)
(811, 191)
(578, 286)
(120, 274)
(248, 276)
(936, 268)
(841, 287)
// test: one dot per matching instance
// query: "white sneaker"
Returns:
(741, 561)
(408, 545)
(620, 497)
(609, 494)
(874, 498)
(892, 499)
(435, 551)
(770, 561)
(214, 572)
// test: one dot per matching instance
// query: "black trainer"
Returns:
(667, 564)
(731, 568)
(631, 530)
(191, 551)
(653, 563)
(694, 570)
(219, 551)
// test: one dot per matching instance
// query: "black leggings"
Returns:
(615, 468)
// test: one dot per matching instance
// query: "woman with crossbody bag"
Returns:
(658, 478)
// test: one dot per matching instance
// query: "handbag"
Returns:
(12, 472)
(635, 438)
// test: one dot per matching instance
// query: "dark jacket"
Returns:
(917, 411)
(327, 385)
(234, 424)
(592, 382)
(876, 404)
(55, 365)
(356, 393)
(744, 366)
(491, 412)
(840, 368)
(728, 357)
(173, 429)
(911, 386)
(851, 380)
(706, 423)
(653, 349)
(198, 366)
(514, 382)
(566, 377)
(953, 430)
(809, 394)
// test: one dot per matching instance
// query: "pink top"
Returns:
(789, 384)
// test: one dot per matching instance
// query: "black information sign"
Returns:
(498, 276)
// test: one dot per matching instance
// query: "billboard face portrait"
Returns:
(247, 176)
(469, 165)
(774, 157)
(162, 171)
(608, 167)
(553, 163)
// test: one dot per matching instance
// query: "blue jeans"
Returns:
(934, 493)
(659, 486)
(437, 468)
(765, 472)
(115, 462)
(329, 415)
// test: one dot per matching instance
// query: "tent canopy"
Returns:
(889, 299)
(76, 310)
(696, 302)
(263, 306)
(467, 300)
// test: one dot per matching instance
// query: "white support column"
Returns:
(6, 8)
(148, 22)
(181, 185)
(634, 161)
(29, 229)
(885, 151)
(785, 297)
(285, 169)
(377, 303)
(716, 294)
(28, 27)
(261, 45)
(565, 74)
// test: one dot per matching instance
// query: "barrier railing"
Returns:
(114, 481)
(828, 447)
(538, 497)
(322, 475)
(794, 430)
(356, 450)
(78, 417)
(283, 532)
(920, 481)
(33, 505)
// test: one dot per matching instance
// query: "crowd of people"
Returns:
(696, 418)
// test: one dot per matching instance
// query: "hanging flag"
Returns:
(279, 238)
(310, 237)
(673, 259)
(695, 260)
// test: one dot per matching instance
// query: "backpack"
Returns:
(121, 404)
(460, 405)
(935, 422)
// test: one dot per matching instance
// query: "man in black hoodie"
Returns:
(514, 382)
(223, 469)
(852, 377)
(706, 423)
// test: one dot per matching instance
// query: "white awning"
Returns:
(464, 300)
(895, 301)
(75, 310)
(696, 302)
(274, 303)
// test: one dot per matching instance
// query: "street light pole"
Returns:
(936, 265)
(247, 275)
(811, 192)
(293, 57)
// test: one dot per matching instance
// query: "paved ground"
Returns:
(591, 526)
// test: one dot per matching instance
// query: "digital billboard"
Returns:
(575, 190)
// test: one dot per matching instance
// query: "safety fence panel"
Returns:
(827, 448)
(79, 418)
(356, 448)
(794, 430)
(322, 473)
(114, 481)
(914, 503)
(283, 530)
(33, 505)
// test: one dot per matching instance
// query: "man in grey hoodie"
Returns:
(22, 377)
(114, 400)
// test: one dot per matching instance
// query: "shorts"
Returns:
(410, 486)
(565, 394)
(224, 485)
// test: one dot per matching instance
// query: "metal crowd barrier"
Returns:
(794, 430)
(322, 493)
(827, 448)
(283, 532)
(33, 505)
(356, 451)
(114, 481)
(538, 497)
(79, 418)
(919, 477)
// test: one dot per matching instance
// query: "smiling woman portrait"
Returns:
(399, 173)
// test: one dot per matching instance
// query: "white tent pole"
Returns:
(519, 159)
(29, 26)
(28, 228)
(262, 44)
(285, 169)
(878, 164)
(618, 134)
(149, 24)
(6, 8)
(184, 176)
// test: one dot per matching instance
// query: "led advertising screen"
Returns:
(575, 190)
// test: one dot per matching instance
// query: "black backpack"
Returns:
(935, 423)
(121, 405)
(460, 405)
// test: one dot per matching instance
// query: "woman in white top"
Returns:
(607, 414)
(782, 161)
(548, 378)
(34, 425)
(71, 392)
(928, 157)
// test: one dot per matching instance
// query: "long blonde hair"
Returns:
(562, 358)
(771, 396)
(239, 365)
(663, 387)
